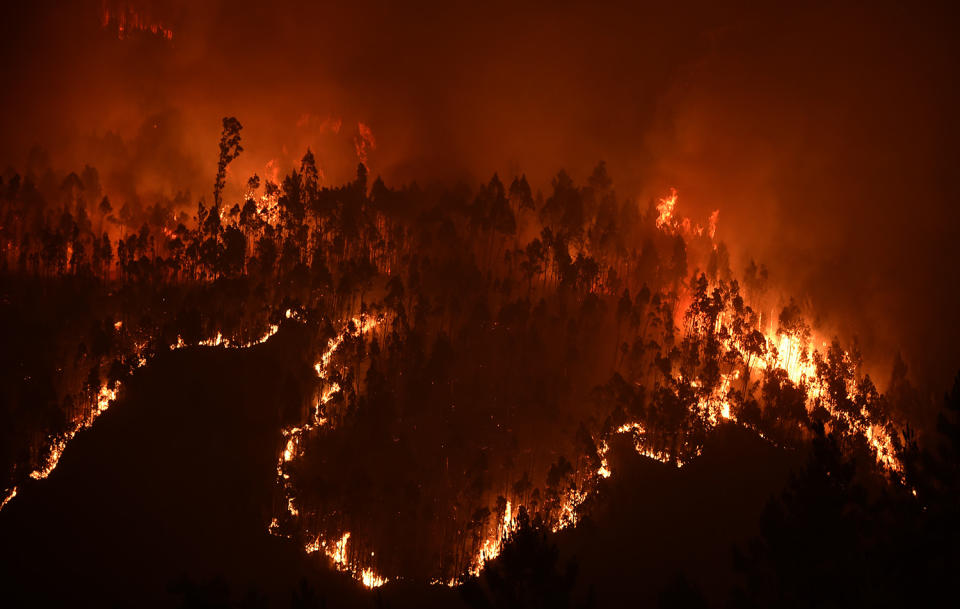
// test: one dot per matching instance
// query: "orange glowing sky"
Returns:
(826, 138)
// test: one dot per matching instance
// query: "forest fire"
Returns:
(716, 324)
(333, 304)
(780, 351)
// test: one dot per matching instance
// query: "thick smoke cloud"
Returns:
(827, 138)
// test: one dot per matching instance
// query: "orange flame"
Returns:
(665, 209)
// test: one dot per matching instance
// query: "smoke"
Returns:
(825, 137)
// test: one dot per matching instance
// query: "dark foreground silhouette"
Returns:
(165, 502)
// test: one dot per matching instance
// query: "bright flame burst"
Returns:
(665, 210)
(669, 223)
(336, 551)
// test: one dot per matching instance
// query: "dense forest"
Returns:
(477, 351)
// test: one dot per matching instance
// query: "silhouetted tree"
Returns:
(229, 149)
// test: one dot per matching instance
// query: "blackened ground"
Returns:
(173, 482)
(654, 522)
(168, 497)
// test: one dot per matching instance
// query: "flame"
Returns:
(105, 397)
(108, 394)
(220, 341)
(714, 217)
(10, 495)
(638, 432)
(570, 504)
(369, 579)
(126, 19)
(785, 351)
(492, 546)
(336, 550)
(671, 224)
(604, 470)
(665, 210)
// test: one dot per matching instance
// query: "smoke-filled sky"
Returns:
(826, 137)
